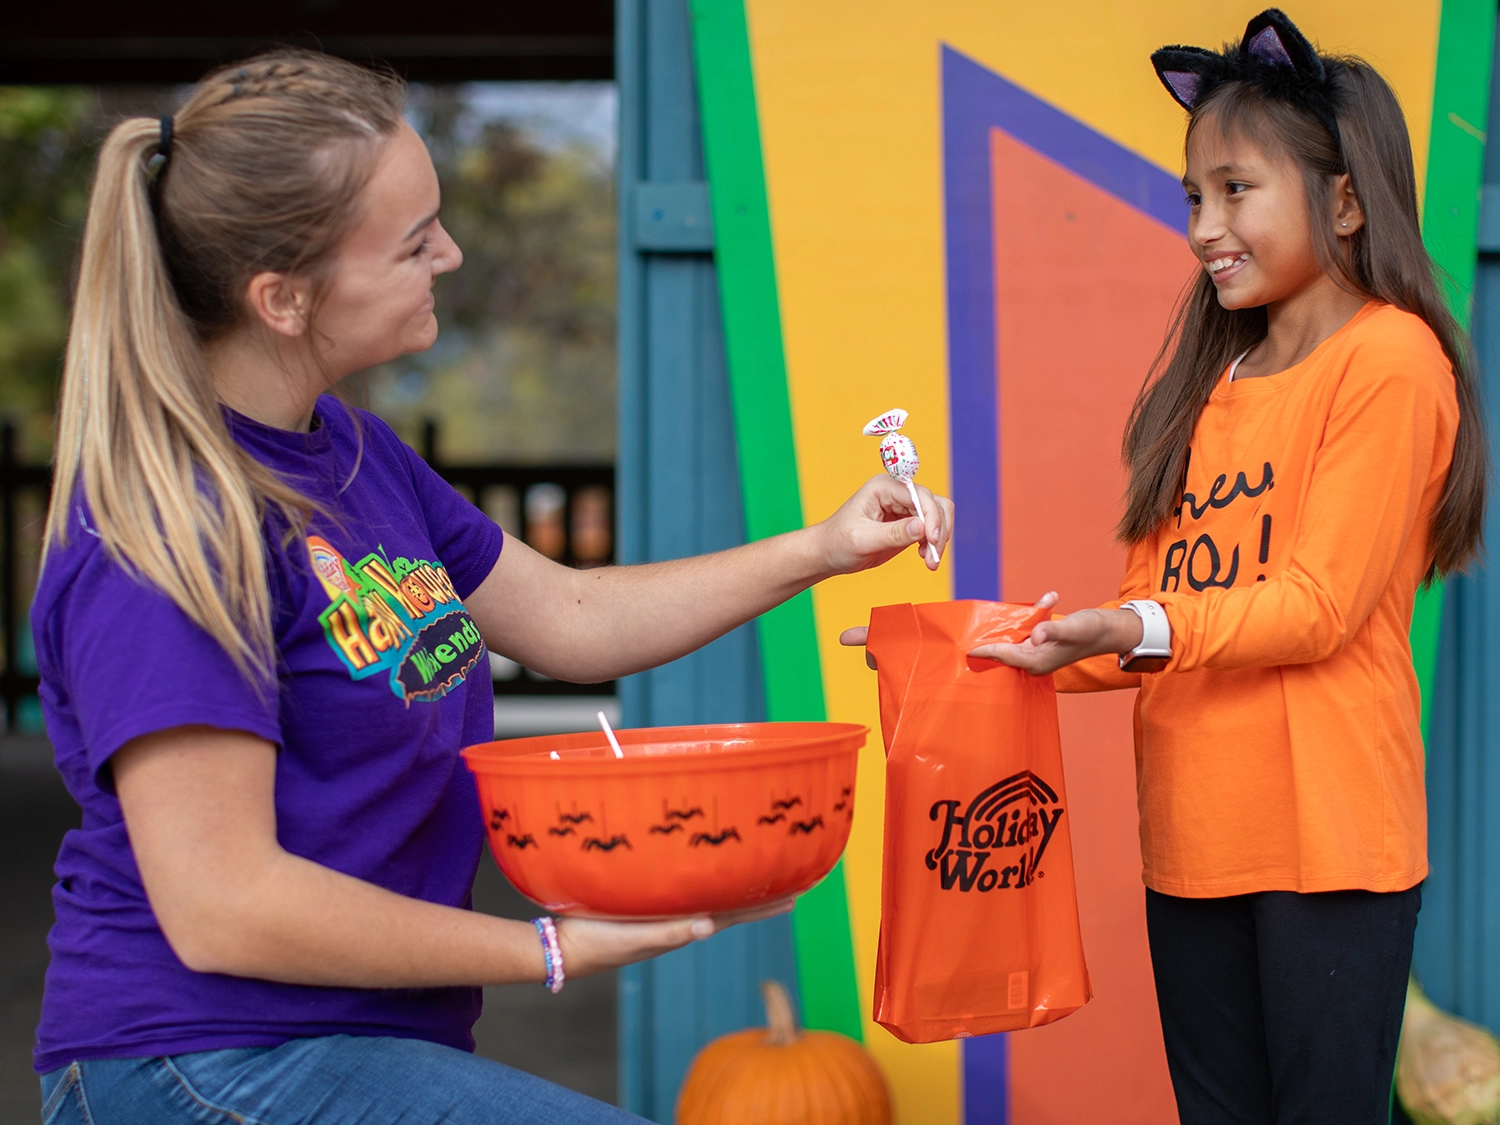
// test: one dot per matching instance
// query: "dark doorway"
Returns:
(95, 41)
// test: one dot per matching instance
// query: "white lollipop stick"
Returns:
(911, 490)
(609, 733)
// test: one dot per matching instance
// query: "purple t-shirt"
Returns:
(382, 679)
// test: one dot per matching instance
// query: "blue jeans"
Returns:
(330, 1081)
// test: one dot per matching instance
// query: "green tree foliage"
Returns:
(524, 369)
(44, 173)
(49, 139)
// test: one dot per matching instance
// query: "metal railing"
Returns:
(565, 511)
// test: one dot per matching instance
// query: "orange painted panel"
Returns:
(1084, 289)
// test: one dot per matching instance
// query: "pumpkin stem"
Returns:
(782, 1024)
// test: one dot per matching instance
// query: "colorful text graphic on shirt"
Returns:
(1013, 821)
(399, 616)
(1203, 561)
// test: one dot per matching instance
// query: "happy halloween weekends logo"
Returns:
(990, 825)
(400, 616)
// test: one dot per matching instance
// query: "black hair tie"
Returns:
(164, 148)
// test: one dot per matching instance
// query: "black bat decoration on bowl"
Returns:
(705, 838)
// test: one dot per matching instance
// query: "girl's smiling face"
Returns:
(1249, 224)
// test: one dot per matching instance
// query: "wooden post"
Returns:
(8, 569)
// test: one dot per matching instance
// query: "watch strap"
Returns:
(1155, 647)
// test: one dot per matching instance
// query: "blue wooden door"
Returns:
(679, 494)
(1458, 931)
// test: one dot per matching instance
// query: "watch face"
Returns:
(1144, 664)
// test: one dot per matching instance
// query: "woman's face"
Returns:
(378, 304)
(1249, 224)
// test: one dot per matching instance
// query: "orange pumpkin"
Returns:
(780, 1075)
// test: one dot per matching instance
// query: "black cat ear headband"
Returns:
(1273, 55)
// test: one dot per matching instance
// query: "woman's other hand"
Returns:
(878, 522)
(592, 946)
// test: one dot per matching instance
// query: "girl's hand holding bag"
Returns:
(978, 914)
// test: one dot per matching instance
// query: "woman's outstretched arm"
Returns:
(594, 625)
(199, 807)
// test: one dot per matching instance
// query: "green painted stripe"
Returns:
(824, 942)
(1426, 626)
(746, 263)
(1450, 223)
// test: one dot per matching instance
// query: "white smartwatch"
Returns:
(1155, 649)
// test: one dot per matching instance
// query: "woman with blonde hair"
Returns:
(261, 627)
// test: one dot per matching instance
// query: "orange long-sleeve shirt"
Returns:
(1281, 748)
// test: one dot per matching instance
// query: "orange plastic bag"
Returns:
(978, 913)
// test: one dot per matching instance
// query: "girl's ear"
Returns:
(1348, 215)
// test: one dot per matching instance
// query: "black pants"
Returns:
(1280, 1008)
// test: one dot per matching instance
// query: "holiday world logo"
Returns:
(997, 842)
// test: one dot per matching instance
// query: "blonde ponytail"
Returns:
(267, 161)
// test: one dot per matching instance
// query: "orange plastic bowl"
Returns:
(692, 820)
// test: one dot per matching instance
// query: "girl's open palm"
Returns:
(1053, 644)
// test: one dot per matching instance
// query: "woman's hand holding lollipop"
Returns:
(880, 521)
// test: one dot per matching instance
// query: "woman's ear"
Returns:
(1348, 215)
(280, 301)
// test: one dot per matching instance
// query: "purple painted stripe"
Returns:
(987, 1080)
(973, 407)
(992, 102)
(975, 101)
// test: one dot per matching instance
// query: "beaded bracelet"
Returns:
(552, 952)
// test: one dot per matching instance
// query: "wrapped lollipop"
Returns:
(899, 456)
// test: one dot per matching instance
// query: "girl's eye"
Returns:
(1235, 187)
(1193, 199)
(421, 248)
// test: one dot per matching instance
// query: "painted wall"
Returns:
(930, 170)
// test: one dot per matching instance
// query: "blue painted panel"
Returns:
(672, 216)
(1458, 932)
(679, 495)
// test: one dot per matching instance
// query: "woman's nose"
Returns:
(448, 257)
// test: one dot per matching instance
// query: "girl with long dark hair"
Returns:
(1308, 454)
